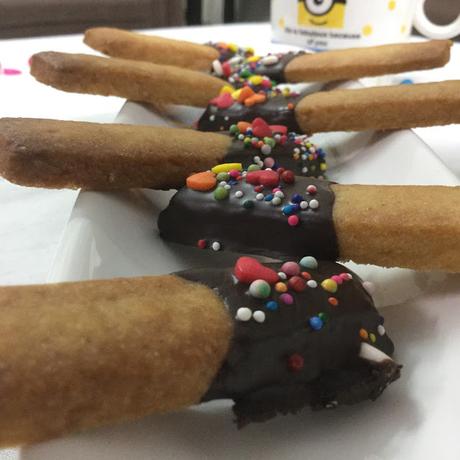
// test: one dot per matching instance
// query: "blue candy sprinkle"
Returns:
(316, 323)
(271, 305)
(289, 209)
(407, 81)
(296, 198)
(268, 197)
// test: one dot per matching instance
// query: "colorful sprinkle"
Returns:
(216, 246)
(226, 167)
(316, 323)
(280, 287)
(290, 268)
(372, 337)
(380, 329)
(243, 314)
(363, 334)
(313, 204)
(297, 284)
(202, 244)
(248, 269)
(293, 221)
(271, 305)
(311, 189)
(259, 316)
(312, 284)
(295, 362)
(287, 298)
(333, 301)
(329, 285)
(309, 262)
(259, 289)
(221, 193)
(201, 182)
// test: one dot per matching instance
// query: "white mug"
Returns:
(329, 24)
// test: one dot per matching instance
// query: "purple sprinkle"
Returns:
(287, 299)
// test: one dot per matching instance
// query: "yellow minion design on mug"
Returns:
(321, 13)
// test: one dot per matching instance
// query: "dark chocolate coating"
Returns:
(256, 374)
(274, 111)
(262, 229)
(281, 153)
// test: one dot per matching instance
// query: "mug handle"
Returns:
(427, 28)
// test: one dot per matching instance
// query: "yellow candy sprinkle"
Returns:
(232, 47)
(250, 50)
(296, 156)
(280, 287)
(253, 58)
(323, 166)
(236, 94)
(227, 89)
(226, 167)
(372, 337)
(255, 80)
(286, 92)
(328, 285)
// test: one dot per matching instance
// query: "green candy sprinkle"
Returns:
(248, 204)
(223, 176)
(253, 167)
(220, 193)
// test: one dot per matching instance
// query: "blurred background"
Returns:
(26, 18)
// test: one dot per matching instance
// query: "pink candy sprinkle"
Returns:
(311, 189)
(287, 298)
(234, 173)
(293, 221)
(290, 268)
(338, 279)
(269, 162)
(11, 72)
(345, 276)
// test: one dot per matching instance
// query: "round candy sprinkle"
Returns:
(243, 314)
(296, 198)
(312, 284)
(248, 204)
(293, 221)
(259, 316)
(268, 197)
(370, 287)
(280, 287)
(282, 275)
(323, 317)
(260, 196)
(314, 204)
(276, 201)
(223, 176)
(329, 285)
(202, 244)
(309, 262)
(278, 193)
(303, 204)
(333, 301)
(253, 167)
(380, 329)
(316, 323)
(311, 189)
(220, 193)
(271, 59)
(266, 149)
(287, 298)
(295, 362)
(288, 177)
(290, 268)
(372, 337)
(227, 186)
(234, 173)
(215, 246)
(259, 289)
(337, 279)
(239, 194)
(271, 305)
(269, 162)
(306, 275)
(363, 334)
(297, 284)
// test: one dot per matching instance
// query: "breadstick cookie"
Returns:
(281, 67)
(385, 107)
(69, 154)
(134, 80)
(276, 214)
(274, 338)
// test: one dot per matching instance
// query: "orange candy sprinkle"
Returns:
(306, 275)
(363, 334)
(246, 93)
(333, 301)
(202, 181)
(243, 126)
(255, 99)
(290, 106)
(280, 287)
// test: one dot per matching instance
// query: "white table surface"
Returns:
(32, 220)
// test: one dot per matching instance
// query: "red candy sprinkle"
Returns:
(295, 362)
(248, 269)
(202, 244)
(333, 301)
(280, 129)
(297, 284)
(223, 101)
(226, 68)
(288, 177)
(260, 128)
(266, 178)
(311, 189)
(306, 275)
(293, 221)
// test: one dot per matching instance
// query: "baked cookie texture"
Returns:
(79, 355)
(130, 45)
(134, 80)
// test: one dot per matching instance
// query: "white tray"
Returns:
(114, 234)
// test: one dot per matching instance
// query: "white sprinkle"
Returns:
(312, 150)
(314, 204)
(312, 284)
(277, 137)
(304, 157)
(260, 163)
(227, 186)
(259, 316)
(212, 117)
(266, 149)
(260, 197)
(240, 137)
(304, 170)
(282, 276)
(369, 286)
(256, 159)
(235, 60)
(217, 67)
(276, 201)
(222, 183)
(279, 194)
(215, 246)
(303, 205)
(296, 150)
(239, 194)
(380, 329)
(271, 59)
(243, 314)
(226, 118)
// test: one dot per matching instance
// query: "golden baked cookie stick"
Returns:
(74, 356)
(134, 80)
(326, 66)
